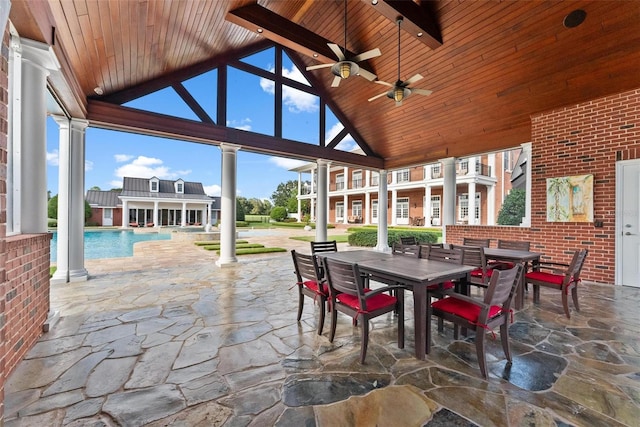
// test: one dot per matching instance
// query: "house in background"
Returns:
(106, 208)
(154, 202)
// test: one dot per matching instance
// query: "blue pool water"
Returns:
(109, 243)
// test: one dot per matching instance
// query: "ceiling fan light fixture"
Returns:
(345, 69)
(398, 94)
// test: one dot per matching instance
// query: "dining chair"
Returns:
(562, 277)
(440, 290)
(483, 315)
(471, 241)
(412, 250)
(310, 283)
(320, 247)
(474, 257)
(408, 240)
(508, 244)
(426, 247)
(348, 295)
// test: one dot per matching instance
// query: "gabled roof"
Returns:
(139, 187)
(103, 199)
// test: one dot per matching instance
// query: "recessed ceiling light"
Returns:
(374, 2)
(260, 30)
(315, 55)
(574, 18)
(419, 34)
(98, 90)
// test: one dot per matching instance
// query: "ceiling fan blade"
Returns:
(336, 50)
(380, 82)
(315, 67)
(422, 91)
(378, 96)
(336, 81)
(367, 55)
(367, 75)
(413, 79)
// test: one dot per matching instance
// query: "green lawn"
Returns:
(342, 238)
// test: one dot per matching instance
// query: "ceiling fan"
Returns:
(346, 67)
(400, 89)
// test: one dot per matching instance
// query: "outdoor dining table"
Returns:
(415, 274)
(516, 256)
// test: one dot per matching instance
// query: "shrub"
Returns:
(369, 238)
(279, 213)
(52, 222)
(257, 218)
(513, 208)
(289, 220)
(242, 224)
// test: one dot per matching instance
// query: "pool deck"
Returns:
(166, 338)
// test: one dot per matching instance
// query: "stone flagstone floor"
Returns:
(166, 338)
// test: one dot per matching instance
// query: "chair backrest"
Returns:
(502, 287)
(426, 247)
(409, 240)
(319, 247)
(453, 255)
(344, 277)
(472, 255)
(575, 267)
(470, 241)
(306, 267)
(514, 244)
(406, 250)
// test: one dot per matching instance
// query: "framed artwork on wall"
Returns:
(570, 199)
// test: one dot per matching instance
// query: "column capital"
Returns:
(448, 160)
(322, 162)
(226, 147)
(39, 54)
(79, 124)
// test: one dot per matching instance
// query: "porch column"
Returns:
(298, 198)
(471, 193)
(526, 221)
(70, 250)
(426, 209)
(312, 209)
(323, 201)
(345, 203)
(125, 214)
(228, 206)
(383, 233)
(155, 213)
(29, 130)
(394, 205)
(448, 194)
(367, 207)
(183, 219)
(491, 190)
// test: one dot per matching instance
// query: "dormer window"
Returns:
(179, 186)
(154, 185)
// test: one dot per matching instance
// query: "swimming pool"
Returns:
(109, 243)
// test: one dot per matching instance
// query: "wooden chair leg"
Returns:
(482, 361)
(536, 294)
(400, 309)
(300, 304)
(565, 303)
(322, 311)
(504, 337)
(334, 320)
(574, 295)
(365, 340)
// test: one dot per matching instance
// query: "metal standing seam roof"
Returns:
(103, 199)
(139, 187)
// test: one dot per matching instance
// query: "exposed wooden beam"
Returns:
(418, 21)
(116, 117)
(272, 26)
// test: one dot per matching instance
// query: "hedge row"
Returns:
(364, 237)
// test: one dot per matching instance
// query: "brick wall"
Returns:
(4, 69)
(582, 139)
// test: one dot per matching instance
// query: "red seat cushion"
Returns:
(554, 279)
(464, 309)
(478, 272)
(441, 286)
(374, 303)
(313, 285)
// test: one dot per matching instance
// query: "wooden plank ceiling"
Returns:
(499, 62)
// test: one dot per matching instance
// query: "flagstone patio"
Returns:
(167, 338)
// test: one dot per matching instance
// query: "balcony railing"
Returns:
(305, 190)
(356, 183)
(435, 174)
(481, 169)
(339, 186)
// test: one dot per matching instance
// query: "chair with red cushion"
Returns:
(328, 246)
(472, 241)
(561, 277)
(474, 257)
(483, 315)
(508, 244)
(348, 295)
(310, 283)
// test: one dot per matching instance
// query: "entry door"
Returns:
(628, 223)
(107, 217)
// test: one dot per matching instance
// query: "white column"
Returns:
(125, 214)
(183, 219)
(367, 204)
(228, 205)
(471, 189)
(323, 201)
(313, 178)
(70, 250)
(34, 60)
(383, 234)
(472, 165)
(448, 194)
(298, 198)
(394, 205)
(426, 210)
(155, 213)
(526, 221)
(367, 178)
(312, 211)
(491, 191)
(345, 203)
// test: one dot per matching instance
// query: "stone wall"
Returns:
(582, 139)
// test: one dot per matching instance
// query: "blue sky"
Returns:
(111, 155)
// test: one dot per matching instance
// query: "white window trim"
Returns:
(341, 205)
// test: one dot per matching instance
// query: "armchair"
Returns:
(310, 283)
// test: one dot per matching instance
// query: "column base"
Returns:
(61, 276)
(382, 248)
(227, 262)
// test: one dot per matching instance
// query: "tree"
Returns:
(513, 208)
(239, 209)
(52, 207)
(284, 193)
(87, 211)
(279, 213)
(95, 188)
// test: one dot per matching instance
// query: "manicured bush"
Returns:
(257, 218)
(369, 238)
(52, 222)
(242, 224)
(252, 251)
(279, 213)
(215, 247)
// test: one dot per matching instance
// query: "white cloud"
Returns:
(115, 184)
(296, 100)
(286, 163)
(242, 124)
(147, 167)
(52, 158)
(88, 165)
(121, 158)
(347, 143)
(212, 190)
